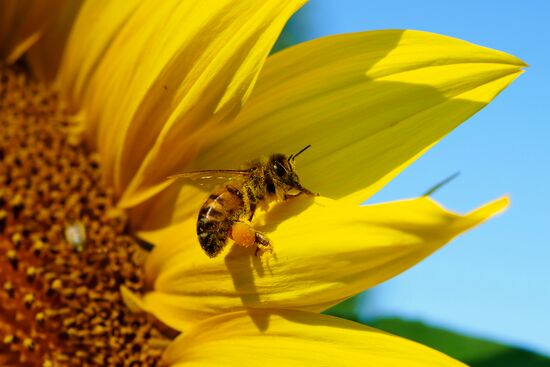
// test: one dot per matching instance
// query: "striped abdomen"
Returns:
(216, 217)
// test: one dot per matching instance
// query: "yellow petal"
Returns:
(368, 103)
(321, 255)
(294, 338)
(45, 55)
(157, 75)
(92, 34)
(205, 87)
(22, 23)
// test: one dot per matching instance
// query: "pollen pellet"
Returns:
(243, 234)
(63, 254)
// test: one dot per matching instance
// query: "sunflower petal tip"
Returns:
(517, 61)
(504, 202)
(490, 209)
(132, 300)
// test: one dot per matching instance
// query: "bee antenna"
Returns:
(293, 156)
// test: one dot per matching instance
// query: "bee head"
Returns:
(282, 168)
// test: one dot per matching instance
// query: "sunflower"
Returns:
(101, 101)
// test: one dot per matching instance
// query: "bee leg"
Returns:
(252, 211)
(303, 191)
(262, 243)
(244, 235)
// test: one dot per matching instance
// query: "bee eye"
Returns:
(279, 169)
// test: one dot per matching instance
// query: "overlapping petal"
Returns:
(188, 66)
(369, 103)
(45, 55)
(321, 255)
(91, 36)
(295, 338)
(22, 24)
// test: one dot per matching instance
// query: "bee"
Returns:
(229, 209)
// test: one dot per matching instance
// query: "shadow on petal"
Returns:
(242, 265)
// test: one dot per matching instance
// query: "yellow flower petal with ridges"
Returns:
(225, 67)
(295, 338)
(160, 83)
(366, 102)
(197, 72)
(321, 255)
(369, 103)
(92, 34)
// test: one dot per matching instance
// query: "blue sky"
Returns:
(494, 281)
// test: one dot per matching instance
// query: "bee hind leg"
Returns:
(262, 244)
(244, 235)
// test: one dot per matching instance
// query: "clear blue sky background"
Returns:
(494, 281)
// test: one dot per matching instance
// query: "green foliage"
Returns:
(294, 32)
(347, 309)
(472, 351)
(286, 39)
(440, 184)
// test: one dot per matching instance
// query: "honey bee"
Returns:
(227, 212)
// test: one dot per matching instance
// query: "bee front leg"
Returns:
(252, 211)
(303, 191)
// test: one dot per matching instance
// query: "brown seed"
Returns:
(60, 302)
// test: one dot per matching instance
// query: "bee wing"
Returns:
(210, 179)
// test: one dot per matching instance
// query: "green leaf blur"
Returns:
(472, 351)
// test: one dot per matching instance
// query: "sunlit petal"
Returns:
(368, 103)
(294, 338)
(204, 92)
(93, 32)
(187, 65)
(321, 255)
